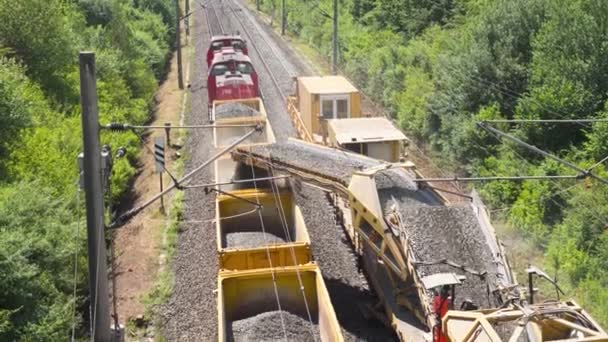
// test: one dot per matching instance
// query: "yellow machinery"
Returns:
(263, 245)
(244, 294)
(234, 215)
(551, 321)
(388, 246)
(327, 110)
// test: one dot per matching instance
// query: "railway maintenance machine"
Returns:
(327, 110)
(413, 245)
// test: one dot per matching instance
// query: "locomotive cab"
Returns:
(218, 43)
(232, 76)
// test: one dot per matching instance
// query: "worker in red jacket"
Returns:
(441, 305)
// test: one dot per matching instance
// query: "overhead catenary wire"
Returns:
(541, 152)
(497, 178)
(234, 181)
(272, 270)
(283, 219)
(182, 181)
(556, 121)
(125, 126)
(76, 252)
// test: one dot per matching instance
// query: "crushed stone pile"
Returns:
(251, 239)
(439, 233)
(234, 110)
(333, 163)
(267, 326)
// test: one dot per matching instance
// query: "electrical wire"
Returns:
(283, 219)
(76, 252)
(272, 270)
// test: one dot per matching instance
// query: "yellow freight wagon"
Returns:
(248, 303)
(273, 235)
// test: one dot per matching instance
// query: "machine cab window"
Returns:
(335, 106)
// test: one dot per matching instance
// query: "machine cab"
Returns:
(219, 43)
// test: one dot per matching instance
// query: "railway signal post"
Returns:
(98, 282)
(159, 157)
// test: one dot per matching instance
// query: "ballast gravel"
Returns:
(190, 314)
(333, 163)
(268, 326)
(251, 239)
(348, 289)
(234, 110)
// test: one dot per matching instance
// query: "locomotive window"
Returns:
(219, 69)
(244, 68)
(238, 45)
(217, 45)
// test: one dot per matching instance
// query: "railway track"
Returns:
(271, 53)
(214, 24)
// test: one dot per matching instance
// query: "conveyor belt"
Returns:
(431, 232)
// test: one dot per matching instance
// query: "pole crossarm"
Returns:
(114, 126)
(236, 181)
(537, 150)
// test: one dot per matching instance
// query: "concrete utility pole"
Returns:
(178, 41)
(187, 14)
(257, 5)
(283, 17)
(98, 281)
(334, 64)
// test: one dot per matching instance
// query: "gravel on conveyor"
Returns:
(234, 110)
(451, 233)
(267, 326)
(251, 239)
(333, 163)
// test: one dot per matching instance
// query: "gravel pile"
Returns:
(267, 326)
(234, 110)
(332, 163)
(251, 239)
(453, 233)
(331, 248)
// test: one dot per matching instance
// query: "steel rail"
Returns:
(257, 50)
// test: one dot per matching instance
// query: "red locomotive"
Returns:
(226, 43)
(231, 76)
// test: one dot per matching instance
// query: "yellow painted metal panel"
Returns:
(235, 215)
(244, 294)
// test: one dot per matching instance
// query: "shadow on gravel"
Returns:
(350, 314)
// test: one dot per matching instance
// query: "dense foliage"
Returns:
(441, 66)
(40, 139)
